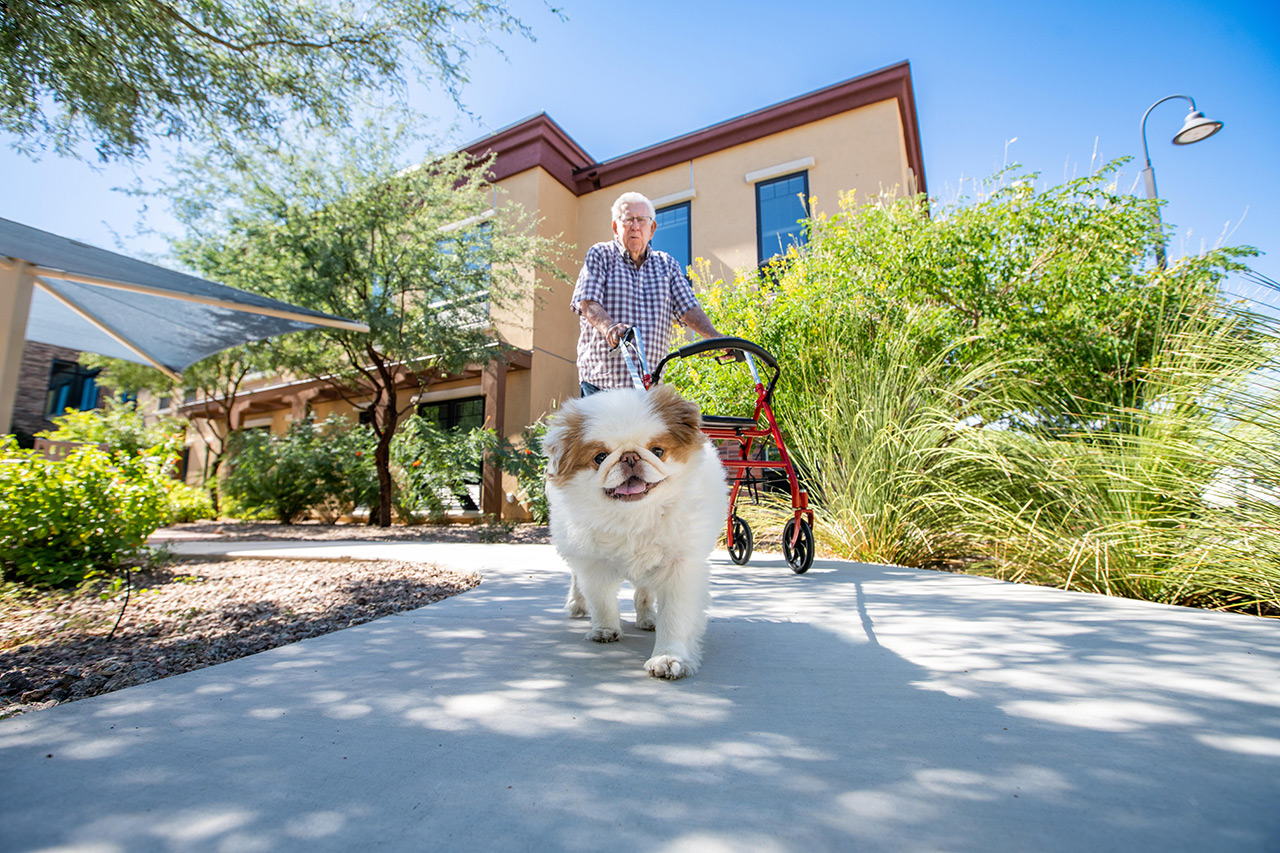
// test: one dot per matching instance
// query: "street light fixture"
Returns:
(1194, 128)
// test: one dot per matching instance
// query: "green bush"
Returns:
(118, 427)
(61, 520)
(189, 503)
(1055, 282)
(350, 477)
(430, 464)
(1176, 503)
(1010, 386)
(328, 469)
(870, 441)
(229, 507)
(528, 464)
(310, 466)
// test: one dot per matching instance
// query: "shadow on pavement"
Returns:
(857, 707)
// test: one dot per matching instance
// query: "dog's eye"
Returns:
(600, 457)
(657, 451)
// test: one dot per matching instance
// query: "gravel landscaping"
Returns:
(188, 613)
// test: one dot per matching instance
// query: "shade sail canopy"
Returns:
(93, 300)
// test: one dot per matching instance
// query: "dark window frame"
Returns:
(453, 418)
(761, 257)
(79, 382)
(453, 421)
(688, 232)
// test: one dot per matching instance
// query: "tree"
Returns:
(420, 254)
(117, 73)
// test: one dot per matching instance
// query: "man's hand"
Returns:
(613, 335)
(599, 318)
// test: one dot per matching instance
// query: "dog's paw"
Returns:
(576, 609)
(646, 623)
(604, 635)
(666, 666)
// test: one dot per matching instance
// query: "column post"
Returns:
(15, 306)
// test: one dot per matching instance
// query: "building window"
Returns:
(71, 386)
(781, 205)
(673, 234)
(465, 300)
(461, 415)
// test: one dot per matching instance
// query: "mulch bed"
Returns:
(186, 613)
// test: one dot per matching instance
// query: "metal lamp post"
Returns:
(1194, 128)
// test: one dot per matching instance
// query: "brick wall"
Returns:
(33, 385)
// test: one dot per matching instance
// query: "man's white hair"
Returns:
(631, 199)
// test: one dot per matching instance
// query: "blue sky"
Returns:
(1056, 88)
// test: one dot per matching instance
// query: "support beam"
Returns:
(235, 419)
(493, 384)
(199, 299)
(299, 401)
(16, 284)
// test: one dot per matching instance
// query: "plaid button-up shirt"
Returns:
(649, 297)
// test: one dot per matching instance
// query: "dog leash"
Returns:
(640, 376)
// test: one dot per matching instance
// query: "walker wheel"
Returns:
(799, 557)
(740, 552)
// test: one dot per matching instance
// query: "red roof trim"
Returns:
(536, 141)
(539, 141)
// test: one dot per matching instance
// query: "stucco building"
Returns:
(730, 193)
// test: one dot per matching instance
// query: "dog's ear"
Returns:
(563, 427)
(681, 416)
(552, 441)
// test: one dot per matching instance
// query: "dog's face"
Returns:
(624, 446)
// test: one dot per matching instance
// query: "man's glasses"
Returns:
(636, 220)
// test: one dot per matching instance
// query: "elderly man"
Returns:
(625, 282)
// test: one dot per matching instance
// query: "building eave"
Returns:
(536, 141)
(270, 398)
(539, 141)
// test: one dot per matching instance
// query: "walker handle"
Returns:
(698, 347)
(739, 344)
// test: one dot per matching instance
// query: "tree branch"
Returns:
(248, 47)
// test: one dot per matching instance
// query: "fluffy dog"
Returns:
(637, 493)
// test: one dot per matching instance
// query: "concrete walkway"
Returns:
(853, 708)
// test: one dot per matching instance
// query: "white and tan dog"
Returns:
(637, 493)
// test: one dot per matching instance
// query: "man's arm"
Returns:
(599, 319)
(695, 318)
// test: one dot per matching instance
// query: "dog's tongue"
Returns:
(634, 486)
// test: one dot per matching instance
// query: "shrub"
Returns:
(352, 477)
(118, 427)
(229, 507)
(430, 465)
(527, 462)
(189, 503)
(1054, 282)
(1175, 503)
(328, 469)
(61, 520)
(1010, 386)
(288, 475)
(870, 442)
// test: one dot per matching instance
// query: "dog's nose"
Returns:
(630, 458)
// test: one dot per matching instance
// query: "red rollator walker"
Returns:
(756, 451)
